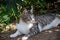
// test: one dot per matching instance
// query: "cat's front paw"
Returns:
(24, 38)
(12, 36)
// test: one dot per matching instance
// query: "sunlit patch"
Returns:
(50, 31)
(57, 30)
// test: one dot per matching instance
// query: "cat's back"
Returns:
(45, 19)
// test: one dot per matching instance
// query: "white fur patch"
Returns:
(33, 20)
(52, 24)
(24, 27)
(24, 38)
(15, 34)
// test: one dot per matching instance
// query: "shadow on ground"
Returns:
(51, 34)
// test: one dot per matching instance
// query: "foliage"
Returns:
(11, 9)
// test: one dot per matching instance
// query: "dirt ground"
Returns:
(51, 34)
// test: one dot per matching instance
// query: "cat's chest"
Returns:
(23, 27)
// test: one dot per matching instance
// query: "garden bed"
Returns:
(51, 34)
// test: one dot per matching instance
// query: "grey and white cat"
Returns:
(31, 25)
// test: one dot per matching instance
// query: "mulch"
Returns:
(51, 34)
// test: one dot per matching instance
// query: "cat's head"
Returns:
(27, 16)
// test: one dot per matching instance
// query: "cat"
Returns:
(31, 25)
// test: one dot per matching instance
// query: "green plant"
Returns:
(12, 8)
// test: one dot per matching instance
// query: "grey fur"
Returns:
(40, 23)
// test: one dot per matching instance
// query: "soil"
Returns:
(51, 34)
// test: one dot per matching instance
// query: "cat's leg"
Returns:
(40, 27)
(32, 32)
(15, 34)
(52, 24)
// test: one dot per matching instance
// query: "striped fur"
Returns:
(31, 25)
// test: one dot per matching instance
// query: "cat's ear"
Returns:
(31, 9)
(25, 11)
